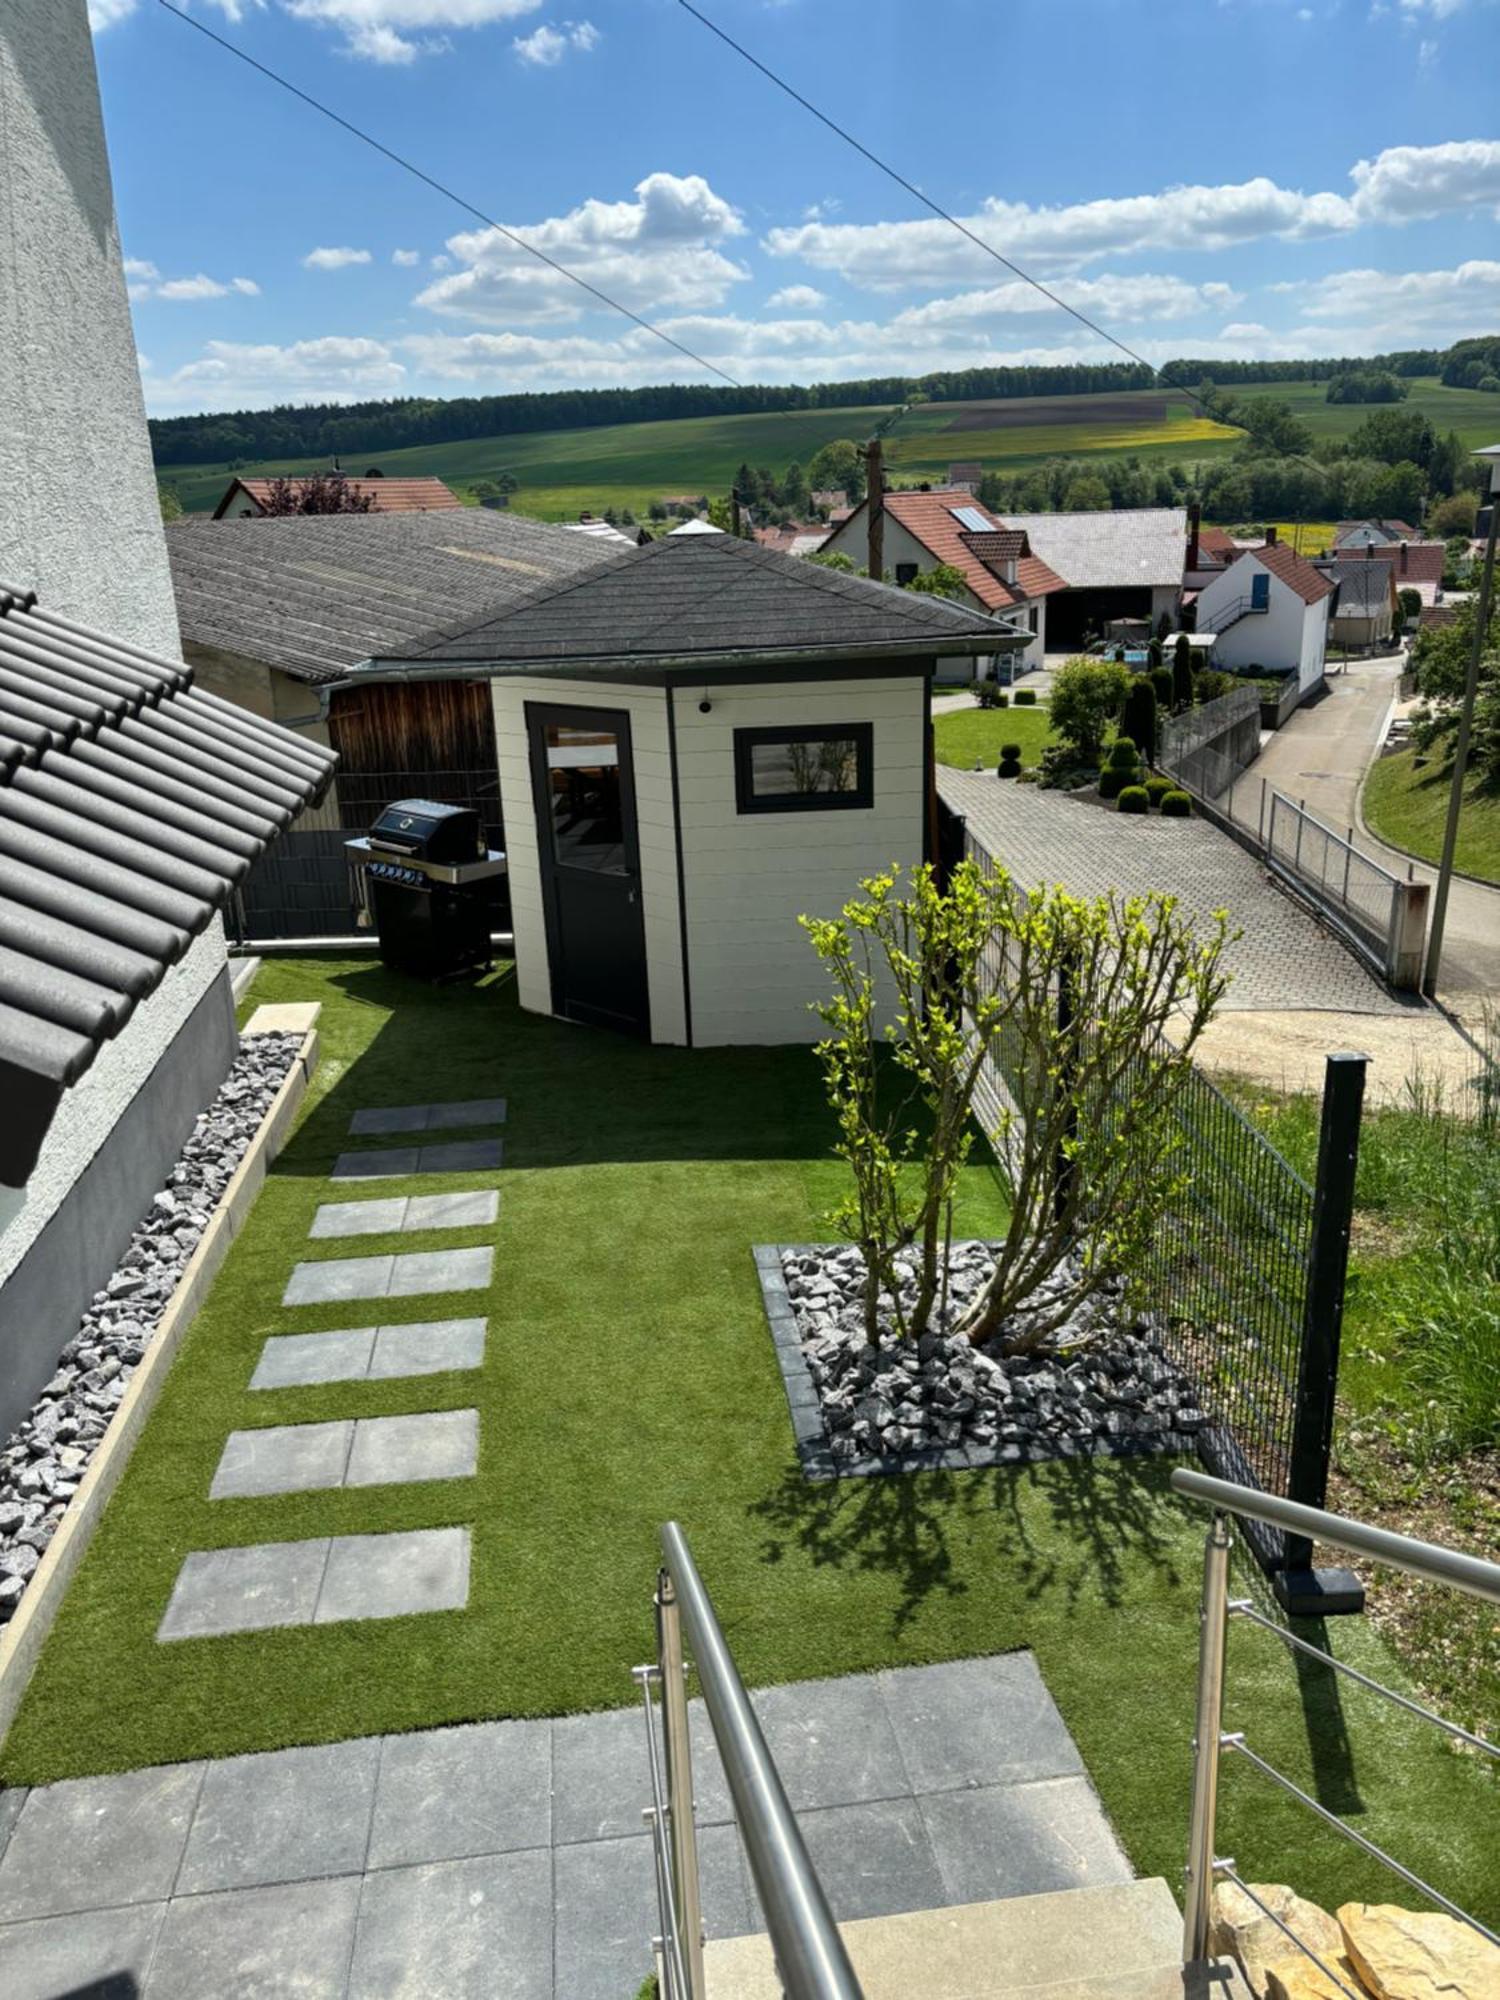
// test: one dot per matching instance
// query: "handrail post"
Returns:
(1213, 1620)
(683, 1830)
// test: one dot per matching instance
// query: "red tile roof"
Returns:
(1218, 543)
(392, 496)
(929, 518)
(1295, 571)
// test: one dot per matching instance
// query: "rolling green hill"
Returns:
(564, 472)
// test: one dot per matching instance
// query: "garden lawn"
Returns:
(965, 737)
(629, 1379)
(1406, 803)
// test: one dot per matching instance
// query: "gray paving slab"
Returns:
(332, 1280)
(12, 1798)
(832, 1741)
(388, 1576)
(282, 1458)
(452, 1156)
(245, 1590)
(428, 1347)
(93, 1955)
(421, 1271)
(428, 1117)
(284, 1816)
(242, 1944)
(451, 1211)
(1021, 1840)
(297, 1360)
(434, 1444)
(94, 1841)
(376, 1165)
(977, 1722)
(466, 1930)
(598, 1766)
(606, 1909)
(873, 1859)
(359, 1218)
(445, 1794)
(462, 1156)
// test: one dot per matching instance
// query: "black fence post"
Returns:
(1302, 1590)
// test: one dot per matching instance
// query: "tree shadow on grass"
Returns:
(1070, 1528)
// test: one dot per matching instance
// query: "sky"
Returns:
(1262, 178)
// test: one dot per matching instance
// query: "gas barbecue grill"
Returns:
(424, 878)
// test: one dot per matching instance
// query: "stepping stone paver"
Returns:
(390, 1451)
(1022, 1840)
(405, 1213)
(386, 1576)
(121, 1835)
(295, 1938)
(363, 1451)
(355, 1353)
(456, 1156)
(283, 1458)
(282, 1816)
(336, 1280)
(245, 1590)
(428, 1117)
(95, 1955)
(444, 1794)
(467, 1930)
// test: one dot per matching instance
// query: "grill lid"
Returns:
(425, 827)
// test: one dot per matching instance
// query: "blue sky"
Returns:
(1267, 177)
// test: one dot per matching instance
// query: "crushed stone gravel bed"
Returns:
(1104, 1387)
(43, 1461)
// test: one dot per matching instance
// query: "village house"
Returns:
(1113, 564)
(1209, 551)
(930, 526)
(1270, 609)
(1365, 618)
(251, 499)
(1373, 534)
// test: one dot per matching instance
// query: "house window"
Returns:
(906, 573)
(813, 768)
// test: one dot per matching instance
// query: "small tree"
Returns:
(942, 580)
(1138, 720)
(1182, 673)
(1086, 698)
(316, 493)
(1154, 654)
(169, 500)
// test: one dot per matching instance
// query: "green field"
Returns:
(564, 473)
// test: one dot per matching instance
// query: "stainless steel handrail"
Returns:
(810, 1957)
(1425, 1559)
(1471, 1574)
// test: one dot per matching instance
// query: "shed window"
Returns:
(812, 768)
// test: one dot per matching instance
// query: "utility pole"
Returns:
(1491, 456)
(875, 496)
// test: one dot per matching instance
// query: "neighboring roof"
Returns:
(704, 601)
(997, 544)
(1391, 531)
(965, 472)
(932, 517)
(391, 496)
(1434, 616)
(793, 540)
(312, 593)
(696, 526)
(1295, 571)
(1217, 544)
(601, 531)
(130, 806)
(1365, 587)
(1113, 549)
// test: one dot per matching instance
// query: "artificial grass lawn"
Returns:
(1406, 803)
(630, 1378)
(964, 737)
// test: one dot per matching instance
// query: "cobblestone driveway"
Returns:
(1283, 960)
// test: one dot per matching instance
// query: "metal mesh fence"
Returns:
(1362, 894)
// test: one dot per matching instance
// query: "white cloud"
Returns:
(442, 261)
(1427, 52)
(144, 281)
(230, 374)
(797, 298)
(201, 287)
(546, 46)
(659, 252)
(328, 257)
(246, 285)
(406, 257)
(1426, 306)
(104, 13)
(1129, 300)
(1402, 184)
(398, 31)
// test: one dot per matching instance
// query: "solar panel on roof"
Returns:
(970, 518)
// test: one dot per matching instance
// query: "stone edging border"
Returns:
(818, 1462)
(23, 1638)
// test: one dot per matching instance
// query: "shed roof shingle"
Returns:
(313, 593)
(709, 596)
(131, 805)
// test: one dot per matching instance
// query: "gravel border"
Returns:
(815, 1454)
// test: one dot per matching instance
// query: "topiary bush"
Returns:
(1176, 805)
(1161, 680)
(1112, 782)
(987, 695)
(1134, 800)
(1123, 755)
(1138, 719)
(1010, 761)
(1025, 697)
(1157, 789)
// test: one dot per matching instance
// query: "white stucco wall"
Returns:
(79, 519)
(1277, 638)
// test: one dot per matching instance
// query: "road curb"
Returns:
(23, 1638)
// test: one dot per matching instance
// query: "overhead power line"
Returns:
(440, 187)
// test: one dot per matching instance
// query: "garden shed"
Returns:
(699, 741)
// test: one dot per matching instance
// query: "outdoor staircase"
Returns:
(1220, 622)
(1118, 1942)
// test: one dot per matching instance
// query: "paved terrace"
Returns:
(1284, 958)
(510, 1857)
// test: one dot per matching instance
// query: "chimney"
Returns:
(1403, 558)
(1271, 536)
(1195, 522)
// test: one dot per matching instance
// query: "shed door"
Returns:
(582, 781)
